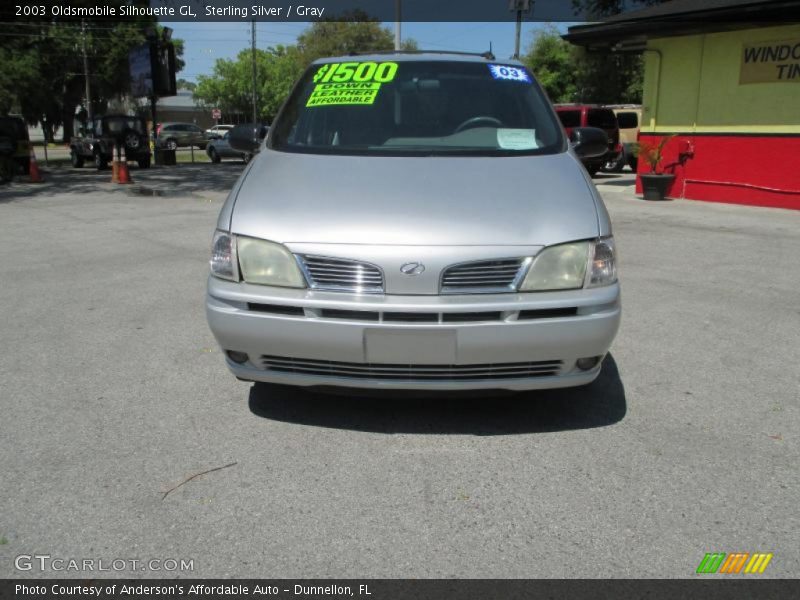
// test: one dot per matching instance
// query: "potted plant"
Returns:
(655, 183)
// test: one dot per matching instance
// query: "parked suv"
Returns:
(592, 115)
(629, 117)
(180, 135)
(104, 134)
(416, 220)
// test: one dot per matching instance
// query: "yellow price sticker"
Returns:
(350, 82)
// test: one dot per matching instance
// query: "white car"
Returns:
(217, 131)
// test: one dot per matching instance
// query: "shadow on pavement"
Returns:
(625, 179)
(597, 405)
(180, 180)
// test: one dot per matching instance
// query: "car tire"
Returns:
(100, 163)
(616, 166)
(592, 169)
(75, 158)
(247, 157)
(212, 154)
(171, 144)
(633, 162)
(25, 166)
(7, 170)
(144, 163)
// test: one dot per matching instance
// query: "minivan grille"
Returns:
(329, 368)
(341, 274)
(483, 276)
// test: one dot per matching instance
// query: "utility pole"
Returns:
(253, 48)
(88, 89)
(519, 6)
(398, 17)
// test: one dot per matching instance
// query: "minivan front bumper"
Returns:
(493, 341)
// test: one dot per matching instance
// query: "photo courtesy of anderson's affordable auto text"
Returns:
(396, 299)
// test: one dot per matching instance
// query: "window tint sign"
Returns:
(771, 62)
(350, 82)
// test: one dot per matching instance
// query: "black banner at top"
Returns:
(313, 10)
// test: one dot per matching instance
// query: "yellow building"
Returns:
(722, 80)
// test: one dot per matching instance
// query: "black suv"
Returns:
(104, 134)
(14, 129)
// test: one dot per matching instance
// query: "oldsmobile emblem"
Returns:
(412, 268)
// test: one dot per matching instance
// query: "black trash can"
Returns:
(165, 157)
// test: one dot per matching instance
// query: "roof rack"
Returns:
(487, 55)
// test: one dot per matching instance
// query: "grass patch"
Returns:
(52, 162)
(184, 156)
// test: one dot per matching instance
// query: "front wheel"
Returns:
(76, 159)
(616, 165)
(247, 157)
(7, 168)
(212, 154)
(144, 163)
(100, 163)
(593, 169)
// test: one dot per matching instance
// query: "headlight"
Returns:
(268, 263)
(561, 267)
(223, 256)
(604, 264)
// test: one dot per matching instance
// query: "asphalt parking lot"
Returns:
(114, 392)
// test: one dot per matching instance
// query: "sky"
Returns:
(205, 42)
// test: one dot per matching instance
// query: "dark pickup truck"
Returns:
(103, 134)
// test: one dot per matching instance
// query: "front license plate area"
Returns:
(410, 346)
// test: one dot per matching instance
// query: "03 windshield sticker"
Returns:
(509, 73)
(350, 82)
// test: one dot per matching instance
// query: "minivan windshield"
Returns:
(417, 107)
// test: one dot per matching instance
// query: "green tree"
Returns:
(283, 67)
(551, 60)
(598, 9)
(43, 76)
(229, 87)
(571, 74)
(332, 38)
(608, 78)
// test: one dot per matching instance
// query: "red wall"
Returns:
(762, 170)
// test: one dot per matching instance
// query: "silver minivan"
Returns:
(416, 221)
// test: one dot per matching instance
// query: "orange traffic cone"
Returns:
(115, 165)
(33, 169)
(124, 174)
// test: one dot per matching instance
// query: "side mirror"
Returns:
(589, 142)
(245, 138)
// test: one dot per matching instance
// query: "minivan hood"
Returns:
(418, 201)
